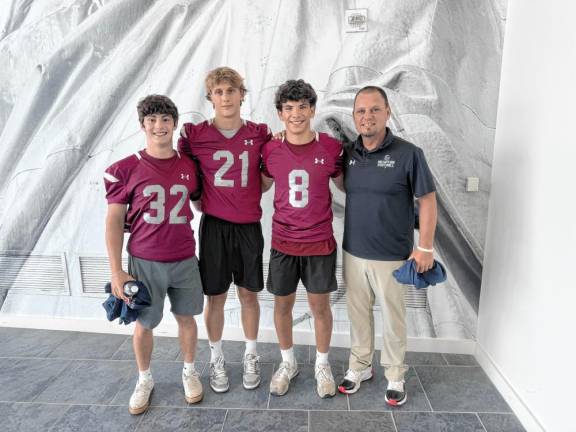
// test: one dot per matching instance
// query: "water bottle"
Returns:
(130, 289)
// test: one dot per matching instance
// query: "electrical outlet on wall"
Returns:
(472, 184)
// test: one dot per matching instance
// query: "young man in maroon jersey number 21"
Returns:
(228, 151)
(303, 246)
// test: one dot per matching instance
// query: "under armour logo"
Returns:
(319, 161)
(352, 162)
(185, 176)
(248, 142)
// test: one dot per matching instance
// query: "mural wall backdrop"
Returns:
(73, 71)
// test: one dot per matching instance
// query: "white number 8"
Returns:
(302, 187)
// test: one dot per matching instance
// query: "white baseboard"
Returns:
(169, 328)
(506, 389)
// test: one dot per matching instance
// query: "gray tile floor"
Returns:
(70, 381)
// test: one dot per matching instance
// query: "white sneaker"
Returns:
(140, 399)
(395, 393)
(193, 391)
(325, 385)
(282, 377)
(352, 380)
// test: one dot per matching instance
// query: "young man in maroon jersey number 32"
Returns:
(151, 191)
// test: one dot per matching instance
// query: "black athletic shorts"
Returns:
(317, 272)
(230, 252)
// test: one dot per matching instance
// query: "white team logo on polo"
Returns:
(185, 176)
(248, 142)
(386, 162)
(352, 162)
(318, 161)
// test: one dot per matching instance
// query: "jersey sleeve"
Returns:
(186, 136)
(265, 132)
(421, 177)
(115, 182)
(266, 150)
(338, 159)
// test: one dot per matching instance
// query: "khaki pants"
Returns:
(367, 281)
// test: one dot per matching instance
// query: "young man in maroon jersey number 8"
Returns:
(303, 246)
(151, 191)
(228, 152)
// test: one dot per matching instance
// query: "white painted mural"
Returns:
(73, 71)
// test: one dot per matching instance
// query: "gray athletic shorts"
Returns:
(180, 280)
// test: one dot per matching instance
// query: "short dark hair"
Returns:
(370, 89)
(295, 90)
(156, 104)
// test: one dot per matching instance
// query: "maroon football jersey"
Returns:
(302, 197)
(157, 192)
(230, 168)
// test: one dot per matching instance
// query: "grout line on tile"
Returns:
(394, 422)
(224, 421)
(480, 420)
(423, 389)
(51, 381)
(59, 418)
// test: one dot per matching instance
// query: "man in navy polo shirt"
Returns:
(383, 175)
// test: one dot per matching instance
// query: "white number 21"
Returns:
(229, 161)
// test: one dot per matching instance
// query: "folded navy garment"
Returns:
(408, 275)
(127, 313)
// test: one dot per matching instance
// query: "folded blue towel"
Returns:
(127, 313)
(408, 275)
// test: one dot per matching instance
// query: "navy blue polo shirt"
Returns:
(380, 188)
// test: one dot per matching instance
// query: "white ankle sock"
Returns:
(144, 375)
(188, 369)
(215, 350)
(250, 347)
(288, 355)
(321, 358)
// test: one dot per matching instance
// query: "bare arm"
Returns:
(197, 204)
(114, 242)
(266, 182)
(339, 182)
(428, 217)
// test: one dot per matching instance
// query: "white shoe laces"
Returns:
(251, 364)
(283, 370)
(218, 369)
(324, 373)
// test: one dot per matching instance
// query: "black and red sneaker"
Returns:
(352, 380)
(395, 393)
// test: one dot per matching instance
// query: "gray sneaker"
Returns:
(251, 375)
(325, 385)
(218, 376)
(282, 377)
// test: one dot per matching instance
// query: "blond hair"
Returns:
(224, 74)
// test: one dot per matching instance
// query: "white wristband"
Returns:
(421, 249)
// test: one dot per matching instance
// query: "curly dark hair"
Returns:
(156, 104)
(295, 90)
